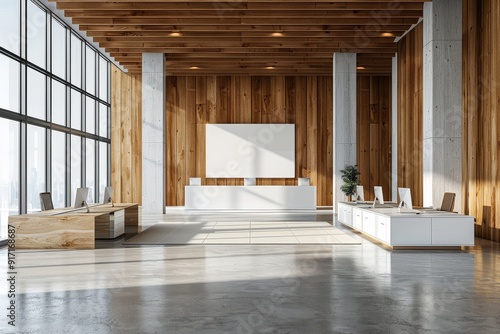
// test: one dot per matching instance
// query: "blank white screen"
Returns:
(250, 150)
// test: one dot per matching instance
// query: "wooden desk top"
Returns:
(95, 210)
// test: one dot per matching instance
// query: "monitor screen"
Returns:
(108, 195)
(379, 196)
(81, 197)
(360, 193)
(250, 150)
(405, 198)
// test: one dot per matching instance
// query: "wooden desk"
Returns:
(70, 228)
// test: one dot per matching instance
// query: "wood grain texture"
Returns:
(45, 232)
(481, 123)
(305, 101)
(126, 134)
(373, 134)
(67, 228)
(410, 113)
(246, 37)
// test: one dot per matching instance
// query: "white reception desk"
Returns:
(250, 197)
(409, 228)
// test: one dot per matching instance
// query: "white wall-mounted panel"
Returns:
(250, 150)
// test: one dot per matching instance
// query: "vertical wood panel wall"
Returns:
(126, 136)
(192, 102)
(481, 119)
(410, 113)
(373, 134)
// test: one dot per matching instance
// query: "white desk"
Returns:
(409, 228)
(250, 197)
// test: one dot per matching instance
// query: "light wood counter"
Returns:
(70, 228)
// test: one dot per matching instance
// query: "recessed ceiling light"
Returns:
(270, 68)
(277, 34)
(175, 34)
(360, 68)
(387, 34)
(194, 68)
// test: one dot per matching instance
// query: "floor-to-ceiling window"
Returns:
(54, 111)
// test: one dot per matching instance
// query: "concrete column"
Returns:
(344, 118)
(153, 133)
(442, 80)
(394, 150)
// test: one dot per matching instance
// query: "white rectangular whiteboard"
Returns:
(250, 150)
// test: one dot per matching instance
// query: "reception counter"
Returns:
(250, 197)
(70, 228)
(403, 228)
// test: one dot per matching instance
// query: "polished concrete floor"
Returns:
(255, 288)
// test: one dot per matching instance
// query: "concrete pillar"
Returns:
(394, 148)
(153, 133)
(344, 118)
(442, 80)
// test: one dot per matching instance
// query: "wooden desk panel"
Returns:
(39, 232)
(70, 228)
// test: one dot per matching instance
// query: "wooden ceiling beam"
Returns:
(241, 28)
(241, 5)
(245, 21)
(165, 35)
(230, 2)
(247, 14)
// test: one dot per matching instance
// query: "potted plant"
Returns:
(350, 177)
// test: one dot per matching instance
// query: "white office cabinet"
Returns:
(348, 217)
(342, 213)
(447, 231)
(357, 219)
(416, 228)
(117, 223)
(369, 223)
(381, 228)
(411, 231)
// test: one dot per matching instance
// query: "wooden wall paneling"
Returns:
(245, 99)
(290, 106)
(328, 96)
(312, 133)
(495, 123)
(211, 110)
(180, 140)
(248, 99)
(116, 78)
(137, 139)
(190, 129)
(265, 113)
(171, 146)
(201, 121)
(223, 84)
(126, 135)
(256, 99)
(410, 113)
(277, 110)
(374, 134)
(126, 147)
(363, 133)
(322, 139)
(301, 127)
(385, 110)
(484, 127)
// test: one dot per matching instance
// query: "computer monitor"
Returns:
(250, 181)
(379, 196)
(108, 195)
(81, 197)
(405, 198)
(360, 193)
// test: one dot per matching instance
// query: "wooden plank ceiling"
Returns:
(247, 37)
